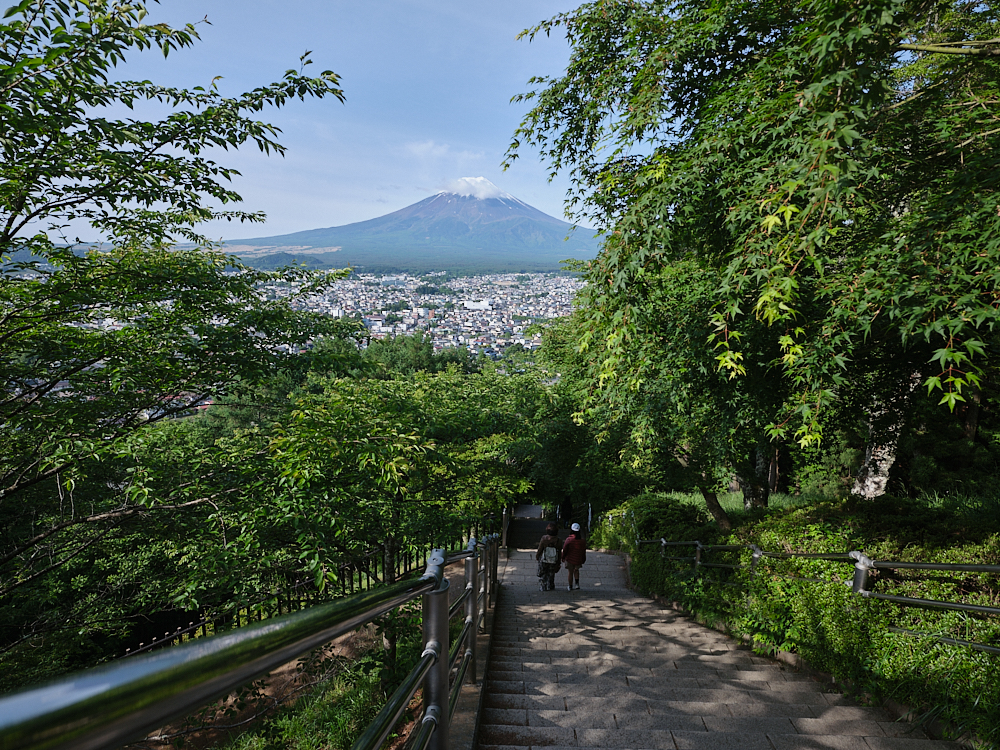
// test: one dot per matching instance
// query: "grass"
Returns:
(332, 716)
(335, 713)
(732, 502)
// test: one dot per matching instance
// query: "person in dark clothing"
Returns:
(565, 511)
(574, 554)
(549, 557)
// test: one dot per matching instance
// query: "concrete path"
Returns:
(604, 668)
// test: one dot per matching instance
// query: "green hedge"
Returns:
(833, 629)
(651, 515)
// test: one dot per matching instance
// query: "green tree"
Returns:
(405, 355)
(99, 345)
(831, 171)
(574, 461)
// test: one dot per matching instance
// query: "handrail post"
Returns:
(755, 559)
(436, 691)
(496, 570)
(472, 606)
(861, 568)
(488, 550)
(487, 553)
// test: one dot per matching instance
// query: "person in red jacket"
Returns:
(574, 553)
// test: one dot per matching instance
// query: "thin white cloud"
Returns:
(433, 151)
(478, 187)
(428, 149)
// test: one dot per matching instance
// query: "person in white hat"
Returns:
(574, 554)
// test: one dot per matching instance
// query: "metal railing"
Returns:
(123, 701)
(859, 582)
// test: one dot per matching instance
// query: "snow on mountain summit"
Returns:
(476, 187)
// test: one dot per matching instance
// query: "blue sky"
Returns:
(428, 86)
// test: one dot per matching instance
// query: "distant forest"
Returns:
(275, 261)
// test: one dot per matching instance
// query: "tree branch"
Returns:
(59, 563)
(981, 49)
(120, 514)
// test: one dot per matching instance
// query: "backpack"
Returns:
(550, 556)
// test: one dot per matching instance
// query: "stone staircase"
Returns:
(604, 668)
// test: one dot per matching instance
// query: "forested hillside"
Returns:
(176, 446)
(803, 235)
(798, 293)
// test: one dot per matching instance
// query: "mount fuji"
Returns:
(472, 226)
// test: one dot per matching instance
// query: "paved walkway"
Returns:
(604, 668)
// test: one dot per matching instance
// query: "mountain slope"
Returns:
(447, 230)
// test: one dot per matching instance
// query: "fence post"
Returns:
(697, 555)
(436, 692)
(472, 606)
(861, 568)
(488, 572)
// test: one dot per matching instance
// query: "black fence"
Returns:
(728, 558)
(363, 572)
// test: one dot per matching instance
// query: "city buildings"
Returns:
(484, 314)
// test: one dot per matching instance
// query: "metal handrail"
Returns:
(938, 566)
(102, 706)
(459, 642)
(456, 690)
(457, 604)
(949, 641)
(379, 729)
(931, 603)
(834, 556)
(858, 583)
(123, 701)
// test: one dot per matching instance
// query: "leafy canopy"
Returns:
(833, 166)
(64, 158)
(99, 345)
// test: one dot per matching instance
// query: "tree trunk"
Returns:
(720, 516)
(773, 471)
(873, 477)
(885, 424)
(970, 413)
(757, 486)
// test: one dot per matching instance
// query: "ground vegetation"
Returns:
(877, 650)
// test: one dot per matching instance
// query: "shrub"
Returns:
(651, 515)
(837, 631)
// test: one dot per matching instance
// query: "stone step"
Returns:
(727, 694)
(733, 741)
(536, 680)
(609, 670)
(649, 661)
(591, 705)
